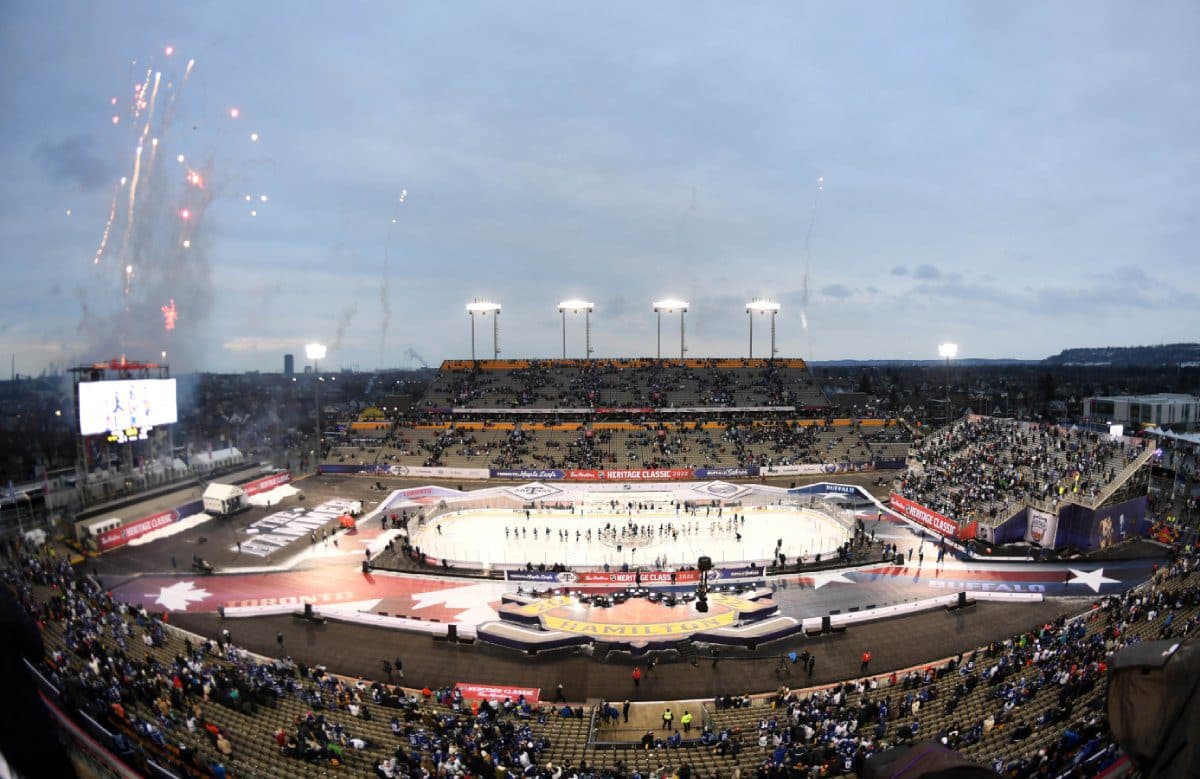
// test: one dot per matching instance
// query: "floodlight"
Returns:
(949, 351)
(576, 305)
(482, 307)
(763, 306)
(670, 305)
(315, 351)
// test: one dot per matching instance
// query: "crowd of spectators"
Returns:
(1044, 686)
(742, 442)
(980, 466)
(113, 663)
(203, 703)
(628, 384)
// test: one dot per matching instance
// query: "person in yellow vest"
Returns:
(686, 719)
(667, 717)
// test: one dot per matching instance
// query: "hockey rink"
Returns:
(657, 535)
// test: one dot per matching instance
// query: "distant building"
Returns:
(1178, 412)
(289, 365)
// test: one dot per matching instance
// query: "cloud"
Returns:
(73, 161)
(927, 272)
(837, 291)
(900, 270)
(248, 343)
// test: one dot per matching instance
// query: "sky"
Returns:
(1015, 178)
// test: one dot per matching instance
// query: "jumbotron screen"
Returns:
(126, 408)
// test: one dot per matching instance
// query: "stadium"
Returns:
(696, 481)
(641, 565)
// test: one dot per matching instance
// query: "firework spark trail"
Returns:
(169, 111)
(112, 214)
(385, 288)
(812, 218)
(139, 94)
(133, 183)
(150, 120)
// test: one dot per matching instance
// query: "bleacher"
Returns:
(623, 384)
(979, 466)
(1011, 701)
(711, 444)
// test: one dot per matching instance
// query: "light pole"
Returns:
(762, 306)
(949, 351)
(575, 306)
(483, 308)
(670, 306)
(316, 353)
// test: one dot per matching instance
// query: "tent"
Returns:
(221, 500)
(346, 520)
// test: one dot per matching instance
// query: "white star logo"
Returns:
(178, 596)
(819, 580)
(1092, 579)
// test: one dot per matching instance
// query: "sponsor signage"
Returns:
(631, 578)
(495, 692)
(806, 469)
(645, 474)
(726, 473)
(548, 577)
(527, 474)
(923, 516)
(266, 484)
(122, 535)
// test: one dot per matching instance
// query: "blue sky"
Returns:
(1018, 178)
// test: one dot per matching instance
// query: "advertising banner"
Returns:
(1042, 528)
(527, 474)
(120, 536)
(923, 516)
(646, 474)
(631, 578)
(726, 473)
(266, 483)
(493, 692)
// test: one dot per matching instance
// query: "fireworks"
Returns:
(169, 315)
(158, 213)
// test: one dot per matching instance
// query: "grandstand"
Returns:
(1031, 703)
(984, 476)
(517, 386)
(614, 414)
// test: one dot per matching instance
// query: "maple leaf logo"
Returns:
(178, 596)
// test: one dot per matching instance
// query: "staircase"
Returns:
(687, 651)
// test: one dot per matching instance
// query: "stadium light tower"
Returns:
(483, 308)
(671, 305)
(762, 306)
(949, 351)
(575, 306)
(316, 353)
